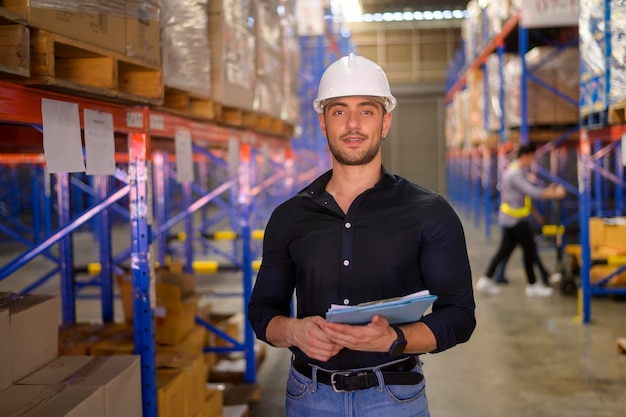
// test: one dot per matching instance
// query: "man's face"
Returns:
(354, 127)
(526, 159)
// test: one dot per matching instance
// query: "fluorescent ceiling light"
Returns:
(404, 16)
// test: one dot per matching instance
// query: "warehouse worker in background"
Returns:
(359, 233)
(513, 217)
(547, 278)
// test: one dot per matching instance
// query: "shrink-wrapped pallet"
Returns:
(232, 42)
(553, 68)
(268, 88)
(186, 53)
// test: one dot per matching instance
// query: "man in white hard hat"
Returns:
(357, 234)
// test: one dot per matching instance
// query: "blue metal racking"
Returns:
(135, 187)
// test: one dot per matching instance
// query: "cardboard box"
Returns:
(192, 342)
(5, 350)
(195, 374)
(171, 384)
(599, 272)
(98, 22)
(615, 233)
(51, 400)
(34, 334)
(608, 233)
(143, 31)
(186, 68)
(175, 315)
(119, 377)
(213, 402)
(233, 67)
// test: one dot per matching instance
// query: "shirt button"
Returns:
(348, 225)
(346, 301)
(346, 262)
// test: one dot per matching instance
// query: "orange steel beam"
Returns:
(22, 104)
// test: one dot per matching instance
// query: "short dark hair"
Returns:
(526, 149)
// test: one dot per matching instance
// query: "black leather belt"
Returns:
(341, 381)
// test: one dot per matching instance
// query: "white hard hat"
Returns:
(354, 75)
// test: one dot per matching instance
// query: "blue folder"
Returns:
(396, 311)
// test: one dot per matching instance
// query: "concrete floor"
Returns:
(527, 357)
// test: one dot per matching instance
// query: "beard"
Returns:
(353, 157)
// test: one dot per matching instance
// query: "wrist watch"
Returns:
(398, 346)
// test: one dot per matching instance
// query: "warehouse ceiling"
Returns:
(381, 6)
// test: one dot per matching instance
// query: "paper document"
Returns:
(406, 309)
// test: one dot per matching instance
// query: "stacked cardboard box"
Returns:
(125, 26)
(557, 69)
(291, 58)
(176, 303)
(118, 378)
(31, 333)
(35, 380)
(232, 42)
(186, 53)
(607, 239)
(268, 87)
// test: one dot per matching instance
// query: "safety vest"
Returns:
(519, 212)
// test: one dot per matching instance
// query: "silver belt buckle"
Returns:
(333, 382)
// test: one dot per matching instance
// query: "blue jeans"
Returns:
(307, 398)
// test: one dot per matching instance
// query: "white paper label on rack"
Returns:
(160, 312)
(99, 143)
(310, 17)
(623, 150)
(62, 144)
(549, 13)
(134, 119)
(157, 122)
(184, 156)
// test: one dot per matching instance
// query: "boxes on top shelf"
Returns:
(558, 70)
(130, 27)
(100, 23)
(596, 63)
(143, 30)
(186, 52)
(268, 91)
(232, 42)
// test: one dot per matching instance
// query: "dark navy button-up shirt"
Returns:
(396, 238)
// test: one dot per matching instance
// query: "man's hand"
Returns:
(377, 336)
(308, 335)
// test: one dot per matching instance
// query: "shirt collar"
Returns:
(318, 186)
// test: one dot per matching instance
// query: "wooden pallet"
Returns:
(617, 113)
(69, 65)
(14, 44)
(237, 117)
(188, 104)
(621, 345)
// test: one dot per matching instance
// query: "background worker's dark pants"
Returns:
(520, 234)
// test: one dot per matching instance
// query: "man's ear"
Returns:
(386, 124)
(322, 120)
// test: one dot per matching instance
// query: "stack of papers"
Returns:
(405, 309)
